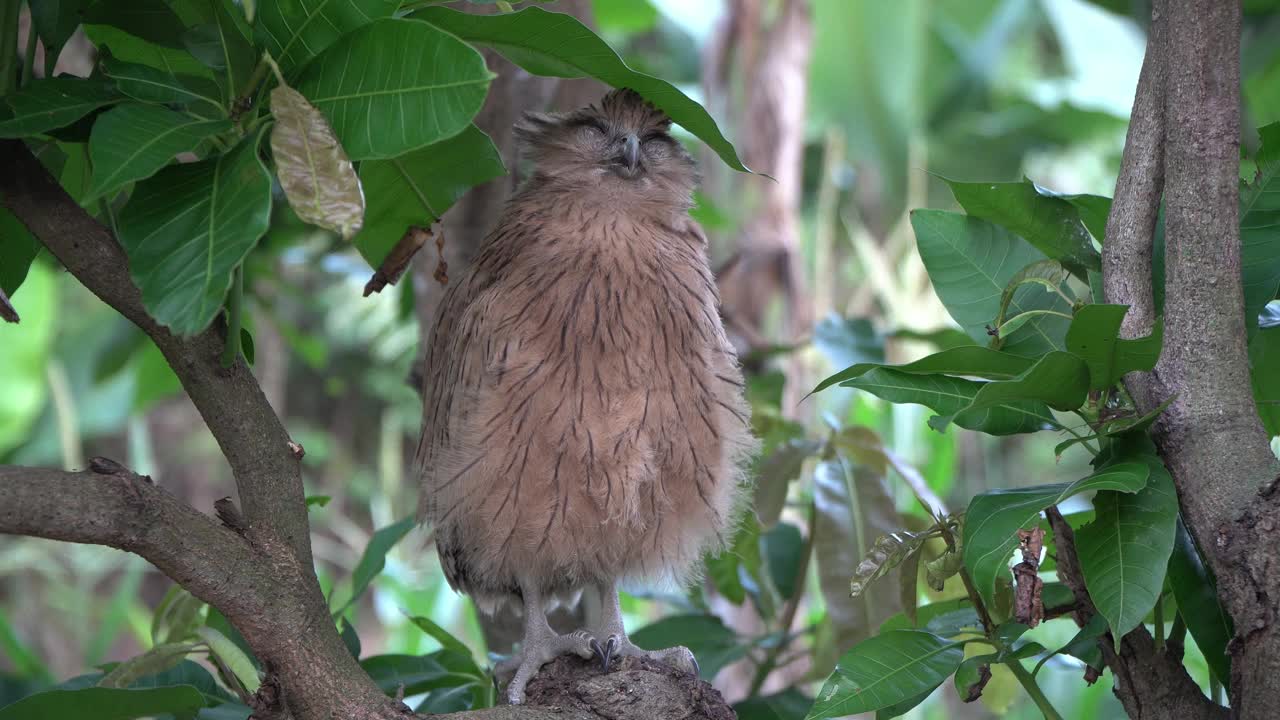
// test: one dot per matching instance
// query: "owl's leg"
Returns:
(541, 645)
(616, 643)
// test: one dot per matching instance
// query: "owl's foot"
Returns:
(619, 646)
(538, 651)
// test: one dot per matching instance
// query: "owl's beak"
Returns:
(631, 154)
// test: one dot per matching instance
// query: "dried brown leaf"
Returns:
(1028, 601)
(397, 261)
(314, 170)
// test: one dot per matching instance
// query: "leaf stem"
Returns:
(29, 57)
(234, 307)
(770, 662)
(1037, 695)
(1084, 439)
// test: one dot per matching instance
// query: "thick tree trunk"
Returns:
(1184, 145)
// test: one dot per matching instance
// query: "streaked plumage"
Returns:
(584, 421)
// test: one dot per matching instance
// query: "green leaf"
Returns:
(1124, 552)
(558, 45)
(187, 227)
(442, 636)
(1094, 335)
(948, 396)
(886, 669)
(1264, 364)
(1260, 229)
(1196, 591)
(1093, 210)
(947, 618)
(415, 674)
(970, 263)
(132, 142)
(1083, 646)
(417, 188)
(232, 656)
(177, 616)
(848, 341)
(993, 519)
(707, 638)
(52, 103)
(150, 20)
(56, 21)
(294, 31)
(156, 660)
(375, 558)
(942, 339)
(886, 553)
(970, 360)
(394, 86)
(1058, 379)
(314, 171)
(182, 701)
(145, 83)
(784, 547)
(774, 474)
(1049, 274)
(128, 48)
(1050, 223)
(969, 675)
(18, 248)
(853, 508)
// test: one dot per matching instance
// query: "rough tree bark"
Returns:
(256, 565)
(1183, 146)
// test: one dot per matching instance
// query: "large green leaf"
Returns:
(1050, 223)
(1094, 335)
(992, 522)
(714, 644)
(181, 701)
(970, 262)
(790, 704)
(145, 83)
(150, 20)
(133, 141)
(558, 45)
(375, 558)
(853, 508)
(884, 670)
(187, 227)
(394, 86)
(53, 103)
(1058, 379)
(970, 360)
(1196, 591)
(1124, 551)
(56, 21)
(128, 48)
(294, 31)
(414, 674)
(417, 188)
(17, 249)
(1260, 229)
(949, 396)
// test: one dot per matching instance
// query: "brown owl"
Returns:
(584, 422)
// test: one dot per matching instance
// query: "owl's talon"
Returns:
(600, 654)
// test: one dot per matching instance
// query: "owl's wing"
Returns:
(455, 364)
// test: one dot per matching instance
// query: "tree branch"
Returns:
(250, 435)
(1151, 685)
(126, 511)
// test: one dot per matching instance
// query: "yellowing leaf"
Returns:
(314, 170)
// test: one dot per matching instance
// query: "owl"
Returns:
(584, 424)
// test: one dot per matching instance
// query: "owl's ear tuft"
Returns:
(534, 126)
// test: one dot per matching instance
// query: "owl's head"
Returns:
(624, 141)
